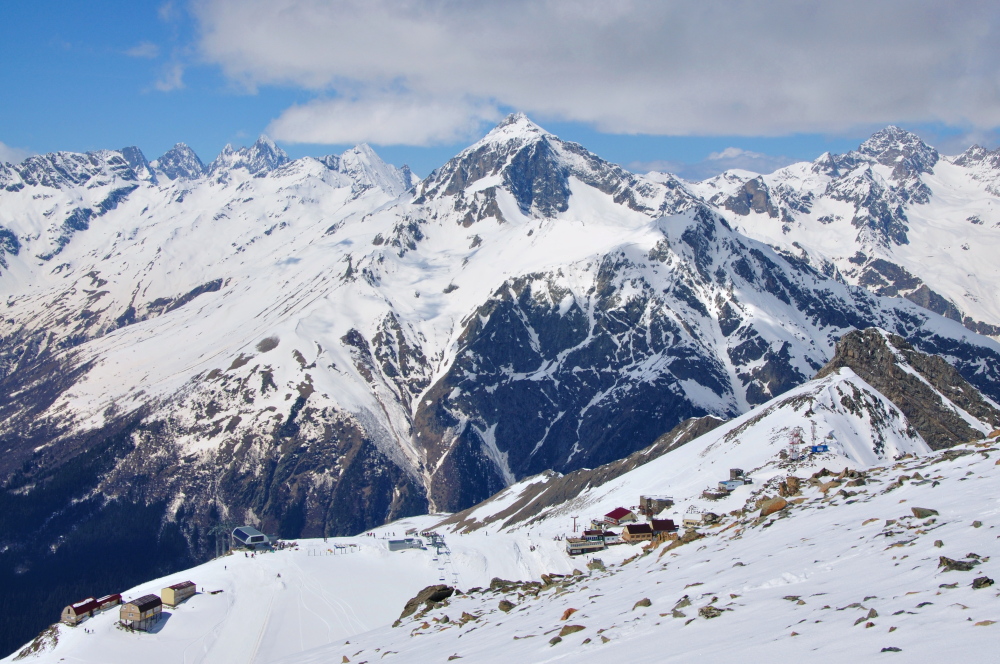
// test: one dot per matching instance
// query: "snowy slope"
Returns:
(843, 573)
(791, 583)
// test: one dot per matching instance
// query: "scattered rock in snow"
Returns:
(645, 602)
(951, 565)
(567, 613)
(709, 612)
(982, 582)
(505, 605)
(773, 505)
(923, 512)
(570, 629)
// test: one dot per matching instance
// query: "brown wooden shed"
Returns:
(141, 614)
(637, 532)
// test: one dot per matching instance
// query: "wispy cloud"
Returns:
(13, 155)
(171, 79)
(669, 67)
(144, 49)
(716, 162)
(167, 12)
(383, 119)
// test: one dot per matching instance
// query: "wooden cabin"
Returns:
(177, 593)
(74, 614)
(618, 516)
(637, 532)
(141, 614)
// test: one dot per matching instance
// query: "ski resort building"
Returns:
(653, 505)
(637, 532)
(577, 545)
(618, 516)
(141, 614)
(74, 614)
(408, 543)
(730, 485)
(248, 537)
(108, 601)
(177, 593)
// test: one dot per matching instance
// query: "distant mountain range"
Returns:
(318, 346)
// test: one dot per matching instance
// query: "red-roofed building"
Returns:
(74, 614)
(618, 516)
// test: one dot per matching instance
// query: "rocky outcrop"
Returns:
(924, 387)
(426, 597)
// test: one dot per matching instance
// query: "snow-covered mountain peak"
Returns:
(893, 147)
(538, 170)
(137, 161)
(362, 164)
(260, 158)
(515, 126)
(179, 163)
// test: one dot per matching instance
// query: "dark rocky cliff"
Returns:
(925, 387)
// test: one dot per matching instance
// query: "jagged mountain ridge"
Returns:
(316, 348)
(892, 216)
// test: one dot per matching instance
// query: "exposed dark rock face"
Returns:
(557, 489)
(754, 196)
(179, 162)
(886, 362)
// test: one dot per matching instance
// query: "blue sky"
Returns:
(665, 85)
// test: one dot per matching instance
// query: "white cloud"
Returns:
(735, 153)
(144, 49)
(13, 155)
(383, 120)
(632, 66)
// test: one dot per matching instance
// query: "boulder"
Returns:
(427, 595)
(772, 506)
(569, 629)
(982, 582)
(642, 602)
(923, 512)
(505, 605)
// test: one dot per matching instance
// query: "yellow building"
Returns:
(177, 593)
